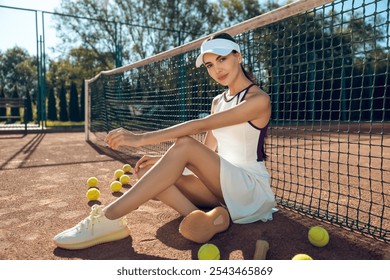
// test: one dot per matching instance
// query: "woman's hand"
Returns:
(122, 137)
(145, 162)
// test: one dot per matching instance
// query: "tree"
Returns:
(136, 29)
(177, 21)
(73, 104)
(80, 64)
(84, 64)
(236, 11)
(17, 68)
(51, 105)
(82, 102)
(3, 111)
(63, 109)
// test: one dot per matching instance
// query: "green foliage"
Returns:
(51, 105)
(236, 11)
(135, 28)
(82, 102)
(61, 123)
(73, 104)
(3, 111)
(18, 69)
(63, 108)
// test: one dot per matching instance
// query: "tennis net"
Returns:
(325, 66)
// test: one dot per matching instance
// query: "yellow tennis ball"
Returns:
(92, 182)
(318, 236)
(93, 194)
(302, 257)
(118, 173)
(208, 252)
(127, 168)
(116, 186)
(124, 179)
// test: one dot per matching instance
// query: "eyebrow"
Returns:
(209, 62)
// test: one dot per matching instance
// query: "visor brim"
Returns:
(223, 52)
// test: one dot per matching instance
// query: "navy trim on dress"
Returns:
(238, 94)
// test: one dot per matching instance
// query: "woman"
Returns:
(227, 171)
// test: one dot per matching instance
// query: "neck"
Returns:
(239, 84)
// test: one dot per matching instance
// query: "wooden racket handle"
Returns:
(261, 250)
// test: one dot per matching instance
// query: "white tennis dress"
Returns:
(245, 180)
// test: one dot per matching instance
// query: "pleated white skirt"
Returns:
(247, 191)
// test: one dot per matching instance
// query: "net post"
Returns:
(86, 110)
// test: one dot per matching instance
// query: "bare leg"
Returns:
(186, 195)
(186, 152)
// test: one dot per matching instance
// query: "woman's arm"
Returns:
(254, 107)
(210, 140)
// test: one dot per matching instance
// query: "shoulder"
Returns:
(259, 101)
(217, 98)
(256, 94)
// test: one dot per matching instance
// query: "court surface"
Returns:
(42, 192)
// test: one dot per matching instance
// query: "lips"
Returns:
(223, 77)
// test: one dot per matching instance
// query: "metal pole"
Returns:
(38, 69)
(86, 110)
(41, 88)
(181, 84)
(43, 73)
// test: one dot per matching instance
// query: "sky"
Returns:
(17, 28)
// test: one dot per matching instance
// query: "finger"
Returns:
(109, 137)
(115, 142)
(139, 162)
(145, 164)
(112, 133)
(114, 138)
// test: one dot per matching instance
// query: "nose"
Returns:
(218, 68)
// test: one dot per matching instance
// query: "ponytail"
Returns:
(248, 74)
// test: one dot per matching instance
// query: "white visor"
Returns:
(216, 46)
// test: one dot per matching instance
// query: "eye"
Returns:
(208, 65)
(222, 59)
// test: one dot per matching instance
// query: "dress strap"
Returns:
(238, 94)
(245, 91)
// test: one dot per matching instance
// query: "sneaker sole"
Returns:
(200, 227)
(121, 234)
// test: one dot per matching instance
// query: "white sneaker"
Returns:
(93, 230)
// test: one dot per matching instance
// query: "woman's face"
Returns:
(223, 69)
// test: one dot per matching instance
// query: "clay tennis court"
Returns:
(42, 192)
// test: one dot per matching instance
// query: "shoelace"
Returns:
(96, 212)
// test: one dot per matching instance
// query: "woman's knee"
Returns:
(185, 141)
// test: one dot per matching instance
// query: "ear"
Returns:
(239, 57)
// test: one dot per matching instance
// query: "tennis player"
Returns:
(225, 175)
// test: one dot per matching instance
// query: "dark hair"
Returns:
(227, 36)
(247, 73)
